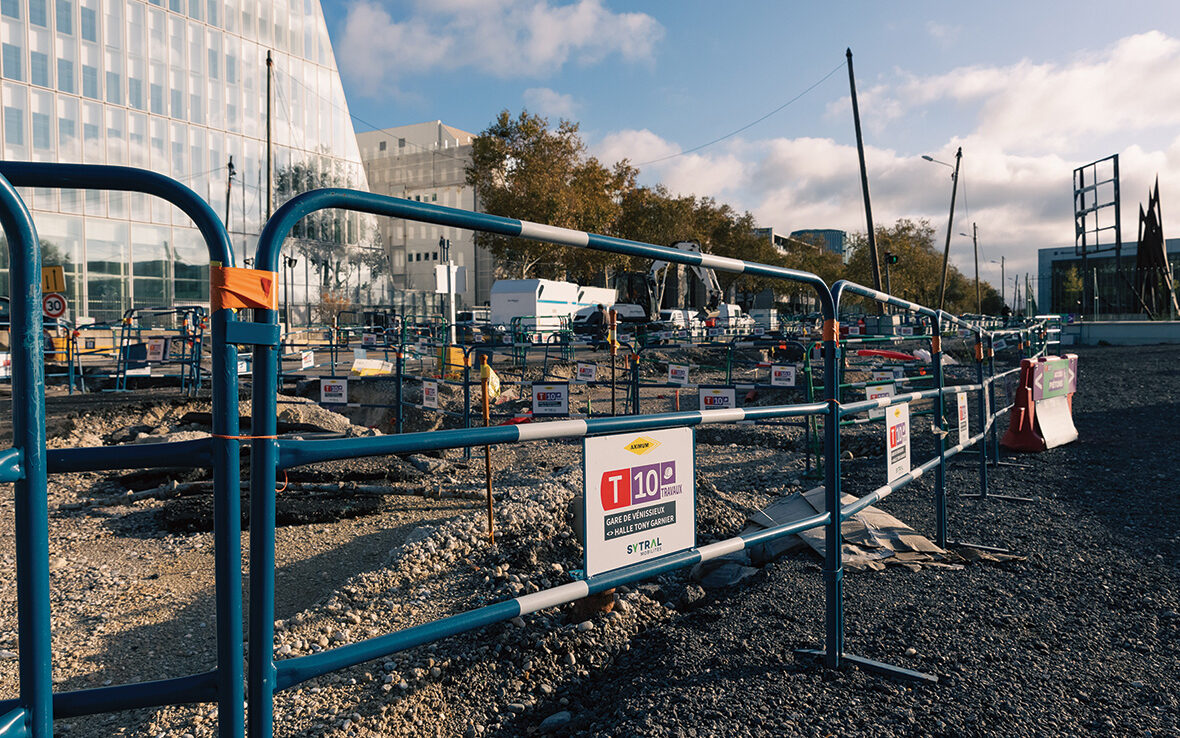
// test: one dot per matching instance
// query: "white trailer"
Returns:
(539, 303)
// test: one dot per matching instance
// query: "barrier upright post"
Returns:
(31, 505)
(940, 519)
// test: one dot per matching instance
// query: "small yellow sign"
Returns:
(53, 279)
(642, 445)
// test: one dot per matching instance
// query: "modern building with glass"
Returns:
(178, 87)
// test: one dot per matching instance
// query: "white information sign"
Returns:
(717, 398)
(854, 330)
(306, 359)
(713, 332)
(880, 376)
(146, 371)
(999, 344)
(782, 375)
(905, 330)
(430, 394)
(640, 502)
(334, 391)
(157, 349)
(244, 367)
(964, 431)
(5, 364)
(552, 398)
(759, 330)
(874, 391)
(897, 441)
(368, 339)
(587, 372)
(678, 374)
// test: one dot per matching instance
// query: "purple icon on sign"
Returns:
(667, 473)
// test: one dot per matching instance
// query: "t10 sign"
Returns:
(643, 510)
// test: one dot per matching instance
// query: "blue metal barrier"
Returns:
(270, 454)
(225, 683)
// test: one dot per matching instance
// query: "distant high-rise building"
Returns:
(833, 240)
(426, 162)
(177, 87)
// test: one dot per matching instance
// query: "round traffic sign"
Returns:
(53, 305)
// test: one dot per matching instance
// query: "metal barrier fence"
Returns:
(28, 463)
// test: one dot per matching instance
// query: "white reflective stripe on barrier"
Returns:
(531, 603)
(554, 234)
(724, 263)
(555, 429)
(723, 416)
(721, 548)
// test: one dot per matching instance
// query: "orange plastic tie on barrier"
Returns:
(831, 330)
(234, 287)
(935, 344)
(979, 352)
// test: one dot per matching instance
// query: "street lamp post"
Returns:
(946, 252)
(975, 243)
(289, 262)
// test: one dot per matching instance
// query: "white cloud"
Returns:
(1028, 126)
(550, 103)
(505, 38)
(944, 33)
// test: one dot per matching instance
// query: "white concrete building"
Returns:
(426, 162)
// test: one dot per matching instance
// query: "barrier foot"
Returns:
(980, 546)
(877, 667)
(1006, 498)
(975, 454)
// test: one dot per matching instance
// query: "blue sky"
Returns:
(1030, 90)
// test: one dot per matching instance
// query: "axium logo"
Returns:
(642, 445)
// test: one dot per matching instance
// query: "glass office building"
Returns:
(178, 87)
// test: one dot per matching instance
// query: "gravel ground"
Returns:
(1079, 638)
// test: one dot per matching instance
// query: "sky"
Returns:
(1029, 90)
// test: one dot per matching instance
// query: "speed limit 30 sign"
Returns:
(53, 305)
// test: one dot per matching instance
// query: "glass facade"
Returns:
(179, 87)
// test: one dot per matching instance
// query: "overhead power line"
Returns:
(751, 124)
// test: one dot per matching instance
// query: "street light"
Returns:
(289, 262)
(975, 242)
(946, 252)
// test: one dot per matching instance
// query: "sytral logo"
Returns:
(642, 445)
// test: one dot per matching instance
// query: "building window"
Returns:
(65, 17)
(135, 93)
(12, 57)
(434, 256)
(37, 13)
(157, 93)
(41, 131)
(10, 8)
(381, 146)
(65, 75)
(88, 24)
(114, 93)
(90, 81)
(178, 104)
(401, 143)
(39, 68)
(14, 126)
(434, 197)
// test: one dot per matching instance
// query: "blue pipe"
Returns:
(294, 671)
(227, 547)
(197, 453)
(177, 691)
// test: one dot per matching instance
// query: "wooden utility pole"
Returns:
(864, 180)
(946, 252)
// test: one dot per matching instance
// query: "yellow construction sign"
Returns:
(53, 279)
